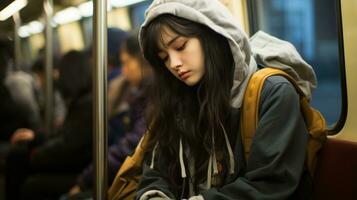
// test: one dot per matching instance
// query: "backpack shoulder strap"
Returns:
(125, 182)
(250, 106)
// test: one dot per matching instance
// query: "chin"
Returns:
(190, 83)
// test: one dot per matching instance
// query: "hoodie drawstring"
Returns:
(212, 163)
(182, 164)
(209, 172)
(153, 156)
(214, 158)
(229, 149)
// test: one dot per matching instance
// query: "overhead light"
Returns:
(24, 31)
(67, 15)
(86, 9)
(53, 24)
(124, 3)
(36, 27)
(31, 28)
(12, 8)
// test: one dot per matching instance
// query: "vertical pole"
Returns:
(100, 94)
(17, 40)
(48, 7)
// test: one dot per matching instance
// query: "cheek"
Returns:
(135, 70)
(194, 58)
(172, 71)
(124, 70)
(200, 59)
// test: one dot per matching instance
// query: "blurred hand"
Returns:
(74, 190)
(22, 134)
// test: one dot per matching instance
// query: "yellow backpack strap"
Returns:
(250, 112)
(127, 178)
(138, 155)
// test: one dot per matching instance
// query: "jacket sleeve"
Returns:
(276, 160)
(153, 185)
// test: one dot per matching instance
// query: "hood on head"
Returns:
(214, 15)
(267, 50)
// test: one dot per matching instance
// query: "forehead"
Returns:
(166, 35)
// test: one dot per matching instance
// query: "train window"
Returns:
(37, 41)
(137, 13)
(73, 40)
(313, 27)
(87, 27)
(119, 17)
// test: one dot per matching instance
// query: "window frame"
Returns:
(337, 127)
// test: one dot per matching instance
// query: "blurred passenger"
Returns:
(115, 38)
(18, 108)
(65, 152)
(131, 101)
(39, 73)
(202, 61)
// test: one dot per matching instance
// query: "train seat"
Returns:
(336, 174)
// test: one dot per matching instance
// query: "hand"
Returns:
(74, 190)
(199, 197)
(22, 134)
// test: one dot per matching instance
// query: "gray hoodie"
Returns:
(214, 15)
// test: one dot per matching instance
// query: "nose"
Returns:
(175, 61)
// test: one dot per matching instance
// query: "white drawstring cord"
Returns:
(182, 164)
(230, 152)
(153, 156)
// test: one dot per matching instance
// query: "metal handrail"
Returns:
(100, 96)
(48, 8)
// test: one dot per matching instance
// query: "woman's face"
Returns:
(182, 56)
(131, 68)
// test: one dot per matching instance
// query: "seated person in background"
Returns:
(131, 99)
(39, 74)
(18, 108)
(115, 38)
(67, 151)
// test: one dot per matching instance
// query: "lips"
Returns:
(184, 75)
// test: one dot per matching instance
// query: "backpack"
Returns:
(127, 179)
(314, 120)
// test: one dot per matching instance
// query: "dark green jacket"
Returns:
(276, 162)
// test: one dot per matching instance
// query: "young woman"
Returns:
(202, 62)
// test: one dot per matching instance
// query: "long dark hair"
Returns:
(176, 110)
(75, 77)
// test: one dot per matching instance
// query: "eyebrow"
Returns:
(172, 40)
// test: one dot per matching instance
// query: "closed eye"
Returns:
(182, 47)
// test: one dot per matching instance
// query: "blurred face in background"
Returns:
(131, 68)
